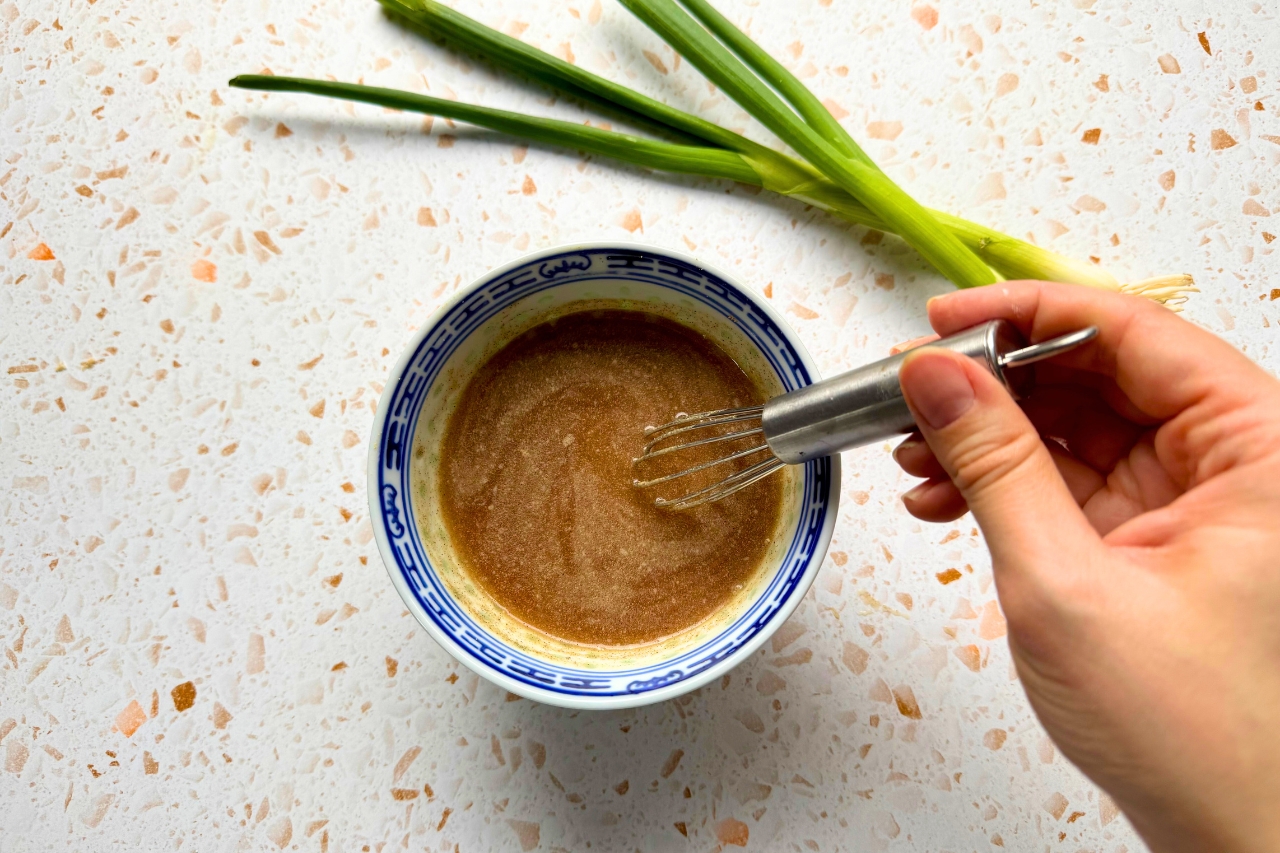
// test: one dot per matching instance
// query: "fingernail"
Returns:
(939, 390)
(917, 492)
(906, 446)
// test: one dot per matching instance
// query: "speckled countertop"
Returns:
(202, 290)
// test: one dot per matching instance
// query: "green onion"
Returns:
(706, 149)
(772, 72)
(666, 156)
(873, 188)
(436, 19)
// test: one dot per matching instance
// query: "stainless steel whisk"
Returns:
(853, 409)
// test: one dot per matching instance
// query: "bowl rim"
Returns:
(446, 642)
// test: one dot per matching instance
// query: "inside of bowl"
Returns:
(443, 396)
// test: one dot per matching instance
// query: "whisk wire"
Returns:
(686, 424)
(702, 420)
(726, 487)
(650, 453)
(644, 484)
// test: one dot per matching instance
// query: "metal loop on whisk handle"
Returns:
(860, 407)
(866, 405)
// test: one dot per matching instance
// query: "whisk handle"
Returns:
(866, 405)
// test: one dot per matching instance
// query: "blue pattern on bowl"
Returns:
(414, 383)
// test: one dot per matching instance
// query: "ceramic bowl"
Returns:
(421, 393)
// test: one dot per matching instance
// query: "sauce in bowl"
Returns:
(536, 481)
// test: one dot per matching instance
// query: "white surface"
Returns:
(172, 511)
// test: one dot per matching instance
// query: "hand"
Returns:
(1132, 510)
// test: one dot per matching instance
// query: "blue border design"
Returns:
(414, 384)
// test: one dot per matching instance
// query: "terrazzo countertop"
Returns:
(201, 295)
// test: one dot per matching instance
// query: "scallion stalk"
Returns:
(903, 214)
(703, 148)
(772, 72)
(665, 156)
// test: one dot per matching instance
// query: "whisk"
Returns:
(853, 409)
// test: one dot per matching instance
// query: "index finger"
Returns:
(1162, 363)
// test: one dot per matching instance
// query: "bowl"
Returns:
(426, 383)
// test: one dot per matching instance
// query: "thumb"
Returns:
(995, 457)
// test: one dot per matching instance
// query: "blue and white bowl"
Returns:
(404, 452)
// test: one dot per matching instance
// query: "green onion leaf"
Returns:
(773, 73)
(865, 182)
(666, 156)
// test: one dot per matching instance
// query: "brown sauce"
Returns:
(536, 481)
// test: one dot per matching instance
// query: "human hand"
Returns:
(1136, 548)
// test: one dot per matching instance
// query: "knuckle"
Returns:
(988, 457)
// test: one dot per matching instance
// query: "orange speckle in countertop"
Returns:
(731, 831)
(905, 698)
(128, 720)
(655, 61)
(993, 624)
(1220, 140)
(925, 16)
(1169, 65)
(528, 834)
(886, 130)
(528, 187)
(265, 239)
(41, 253)
(1091, 136)
(1204, 42)
(855, 658)
(205, 271)
(184, 695)
(1056, 805)
(632, 221)
(949, 576)
(970, 656)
